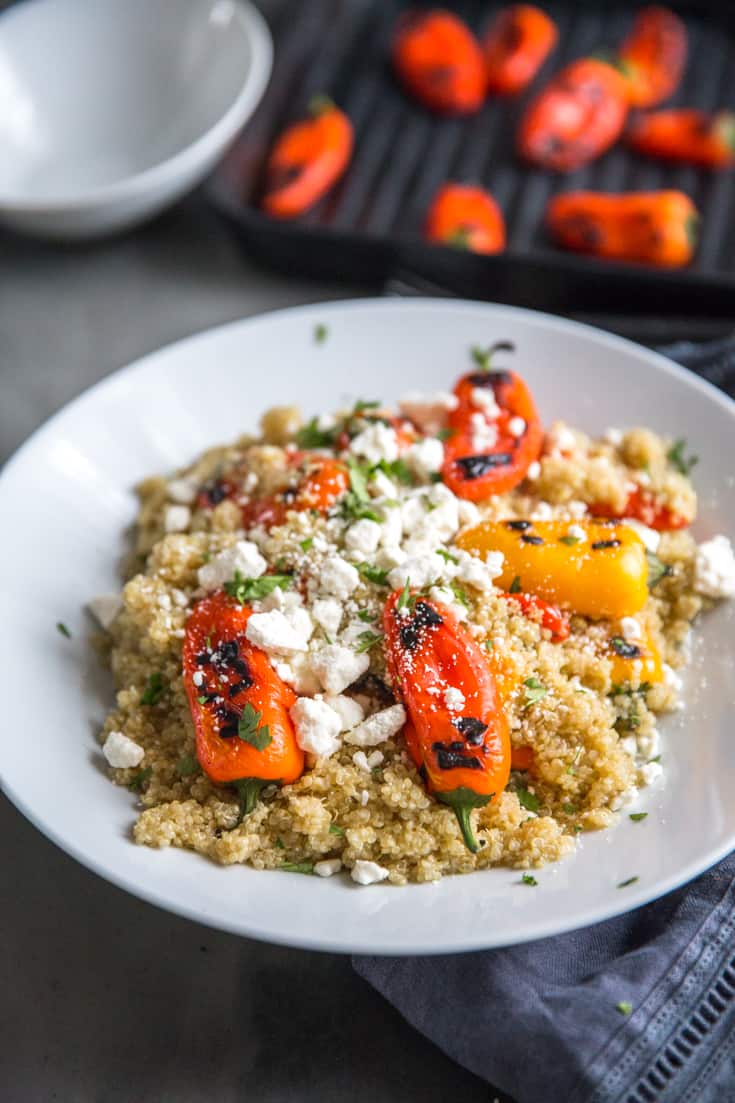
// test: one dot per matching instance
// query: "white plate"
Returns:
(65, 500)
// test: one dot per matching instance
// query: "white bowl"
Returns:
(110, 110)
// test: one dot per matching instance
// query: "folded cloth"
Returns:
(549, 1021)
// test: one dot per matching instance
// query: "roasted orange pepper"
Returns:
(658, 227)
(643, 506)
(307, 160)
(635, 662)
(517, 44)
(577, 117)
(653, 56)
(549, 616)
(239, 705)
(606, 575)
(440, 62)
(477, 469)
(686, 135)
(457, 732)
(466, 217)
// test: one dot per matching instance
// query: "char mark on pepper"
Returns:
(471, 728)
(474, 467)
(451, 759)
(424, 617)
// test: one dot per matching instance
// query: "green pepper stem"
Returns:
(248, 790)
(462, 800)
(462, 812)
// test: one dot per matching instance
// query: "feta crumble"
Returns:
(338, 577)
(242, 556)
(378, 727)
(368, 873)
(337, 667)
(105, 608)
(363, 538)
(650, 537)
(327, 867)
(122, 752)
(631, 629)
(317, 727)
(176, 518)
(714, 568)
(273, 632)
(350, 711)
(425, 457)
(327, 612)
(375, 443)
(182, 491)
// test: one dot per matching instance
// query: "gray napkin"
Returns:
(547, 1022)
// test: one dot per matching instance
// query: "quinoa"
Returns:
(589, 737)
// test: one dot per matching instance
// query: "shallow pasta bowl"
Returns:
(66, 500)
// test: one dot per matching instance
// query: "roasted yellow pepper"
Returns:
(604, 575)
(638, 661)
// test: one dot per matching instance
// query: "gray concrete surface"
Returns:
(104, 999)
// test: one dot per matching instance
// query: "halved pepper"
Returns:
(440, 62)
(635, 661)
(321, 481)
(517, 44)
(686, 135)
(457, 732)
(239, 705)
(606, 575)
(466, 217)
(307, 160)
(653, 56)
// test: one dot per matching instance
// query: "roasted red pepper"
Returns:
(473, 467)
(440, 62)
(658, 227)
(517, 44)
(320, 483)
(686, 135)
(549, 616)
(463, 751)
(643, 506)
(653, 56)
(239, 705)
(466, 217)
(577, 117)
(307, 160)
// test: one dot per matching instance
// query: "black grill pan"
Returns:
(370, 224)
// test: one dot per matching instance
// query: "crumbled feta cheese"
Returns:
(419, 570)
(284, 600)
(273, 632)
(425, 457)
(350, 711)
(650, 537)
(534, 470)
(614, 436)
(576, 532)
(445, 596)
(359, 759)
(325, 422)
(317, 727)
(375, 759)
(542, 512)
(104, 608)
(338, 667)
(390, 557)
(671, 678)
(516, 426)
(364, 797)
(631, 629)
(630, 745)
(649, 745)
(484, 435)
(391, 528)
(176, 518)
(179, 598)
(298, 674)
(472, 570)
(454, 699)
(375, 443)
(428, 411)
(327, 867)
(714, 568)
(368, 873)
(642, 478)
(383, 486)
(300, 620)
(484, 399)
(378, 727)
(327, 612)
(649, 773)
(242, 556)
(121, 752)
(626, 797)
(467, 513)
(182, 491)
(338, 577)
(363, 537)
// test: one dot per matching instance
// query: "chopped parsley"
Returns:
(489, 645)
(250, 589)
(460, 594)
(153, 690)
(311, 436)
(335, 829)
(372, 574)
(656, 759)
(297, 867)
(361, 406)
(656, 569)
(533, 691)
(677, 459)
(624, 1007)
(447, 556)
(365, 616)
(306, 544)
(187, 766)
(139, 781)
(320, 333)
(528, 800)
(636, 817)
(570, 809)
(279, 844)
(515, 586)
(528, 879)
(356, 502)
(61, 627)
(630, 881)
(405, 599)
(397, 469)
(445, 434)
(366, 640)
(202, 699)
(252, 731)
(569, 540)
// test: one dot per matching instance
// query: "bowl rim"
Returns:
(217, 136)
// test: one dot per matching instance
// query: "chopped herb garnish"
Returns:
(320, 333)
(365, 616)
(405, 598)
(528, 879)
(636, 817)
(569, 540)
(572, 767)
(528, 800)
(306, 544)
(624, 1007)
(202, 699)
(367, 640)
(533, 691)
(447, 556)
(489, 645)
(153, 690)
(570, 809)
(656, 569)
(361, 405)
(252, 731)
(311, 436)
(372, 574)
(460, 594)
(356, 502)
(515, 586)
(677, 459)
(61, 627)
(656, 759)
(335, 829)
(630, 881)
(577, 828)
(397, 469)
(297, 867)
(139, 781)
(445, 434)
(187, 766)
(251, 589)
(279, 843)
